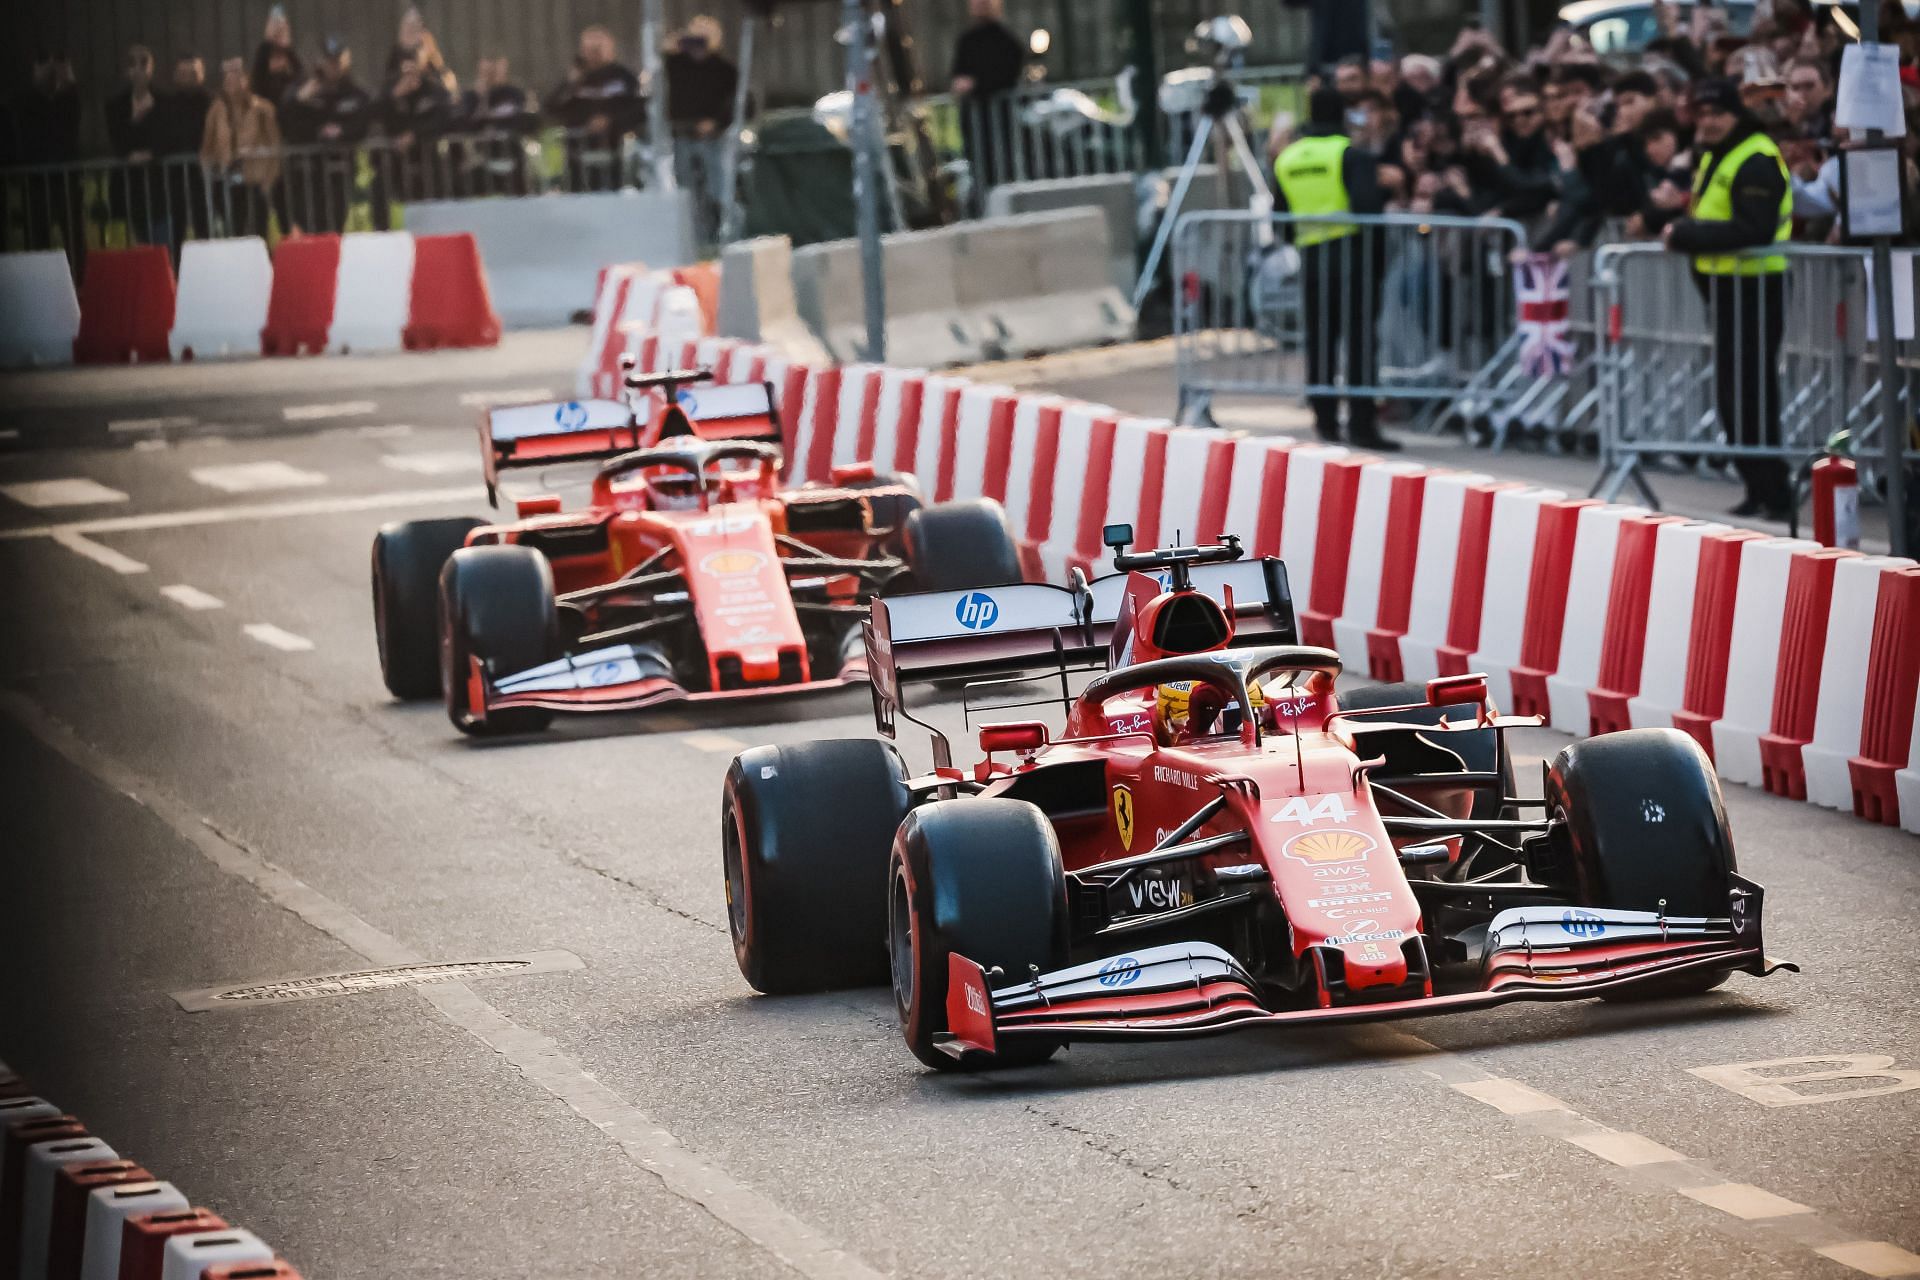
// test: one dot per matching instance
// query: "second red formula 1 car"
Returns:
(1216, 840)
(690, 572)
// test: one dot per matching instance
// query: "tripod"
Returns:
(1220, 124)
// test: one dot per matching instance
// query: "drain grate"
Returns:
(325, 985)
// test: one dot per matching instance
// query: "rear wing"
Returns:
(555, 431)
(558, 431)
(1034, 627)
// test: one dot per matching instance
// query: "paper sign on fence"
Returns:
(1869, 95)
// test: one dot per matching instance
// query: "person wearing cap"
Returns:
(1323, 174)
(330, 113)
(700, 90)
(1741, 201)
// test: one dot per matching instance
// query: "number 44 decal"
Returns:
(1307, 810)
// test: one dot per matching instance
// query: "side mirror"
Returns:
(1450, 691)
(1015, 735)
(1117, 536)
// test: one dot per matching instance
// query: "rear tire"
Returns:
(955, 546)
(407, 558)
(891, 511)
(1644, 821)
(981, 878)
(496, 604)
(804, 834)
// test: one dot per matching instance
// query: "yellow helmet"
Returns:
(1173, 709)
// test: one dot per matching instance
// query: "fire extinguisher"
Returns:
(1836, 502)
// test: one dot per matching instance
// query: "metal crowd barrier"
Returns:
(1699, 369)
(1404, 307)
(98, 204)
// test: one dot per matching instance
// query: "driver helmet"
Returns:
(1184, 710)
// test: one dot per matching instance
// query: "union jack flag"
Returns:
(1540, 286)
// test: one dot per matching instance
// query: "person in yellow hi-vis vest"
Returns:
(1322, 173)
(1741, 200)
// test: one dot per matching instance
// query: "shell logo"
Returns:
(728, 564)
(1320, 848)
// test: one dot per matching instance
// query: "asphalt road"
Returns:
(210, 786)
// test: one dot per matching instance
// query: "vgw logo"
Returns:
(976, 611)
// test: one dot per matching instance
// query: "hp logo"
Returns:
(689, 404)
(976, 611)
(1582, 924)
(570, 416)
(1119, 971)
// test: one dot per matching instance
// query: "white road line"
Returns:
(538, 1058)
(151, 424)
(715, 742)
(441, 462)
(252, 477)
(1873, 1257)
(388, 431)
(8, 433)
(151, 446)
(1624, 1149)
(1510, 1097)
(80, 544)
(191, 597)
(1743, 1200)
(514, 395)
(253, 511)
(321, 412)
(273, 637)
(71, 492)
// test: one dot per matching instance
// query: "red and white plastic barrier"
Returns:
(1032, 458)
(1860, 588)
(39, 310)
(222, 304)
(1082, 470)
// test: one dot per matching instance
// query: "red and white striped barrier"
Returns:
(1257, 492)
(1840, 715)
(1032, 459)
(1597, 537)
(1326, 594)
(896, 420)
(1385, 548)
(1082, 469)
(983, 443)
(1134, 484)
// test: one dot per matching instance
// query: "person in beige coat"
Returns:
(241, 151)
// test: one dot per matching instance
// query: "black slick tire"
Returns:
(957, 546)
(407, 558)
(496, 604)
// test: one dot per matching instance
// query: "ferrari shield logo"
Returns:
(1123, 816)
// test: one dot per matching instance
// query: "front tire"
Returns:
(804, 836)
(956, 546)
(981, 878)
(407, 558)
(1644, 824)
(496, 604)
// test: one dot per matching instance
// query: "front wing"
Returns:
(1196, 989)
(613, 679)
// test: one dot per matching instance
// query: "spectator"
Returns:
(184, 124)
(504, 113)
(1809, 107)
(1418, 94)
(329, 111)
(46, 117)
(987, 63)
(700, 91)
(413, 114)
(1573, 87)
(1324, 173)
(1512, 166)
(137, 129)
(1635, 96)
(598, 105)
(240, 150)
(276, 67)
(1350, 78)
(416, 44)
(1742, 202)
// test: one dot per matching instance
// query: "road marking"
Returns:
(151, 446)
(321, 412)
(515, 395)
(716, 742)
(251, 477)
(1873, 1257)
(256, 511)
(1744, 1200)
(432, 463)
(273, 637)
(640, 1138)
(191, 597)
(1510, 1097)
(252, 995)
(80, 544)
(391, 431)
(1766, 1082)
(152, 424)
(1624, 1149)
(75, 492)
(9, 433)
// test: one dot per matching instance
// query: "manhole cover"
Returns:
(320, 986)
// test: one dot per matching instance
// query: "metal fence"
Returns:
(1370, 307)
(1737, 367)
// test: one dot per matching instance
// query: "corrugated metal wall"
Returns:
(798, 64)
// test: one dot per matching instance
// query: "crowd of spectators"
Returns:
(1575, 147)
(291, 136)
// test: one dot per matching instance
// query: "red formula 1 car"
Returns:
(689, 573)
(1217, 840)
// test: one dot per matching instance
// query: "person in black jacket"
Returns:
(136, 127)
(46, 119)
(987, 62)
(329, 114)
(700, 89)
(500, 112)
(413, 115)
(1747, 209)
(183, 125)
(599, 105)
